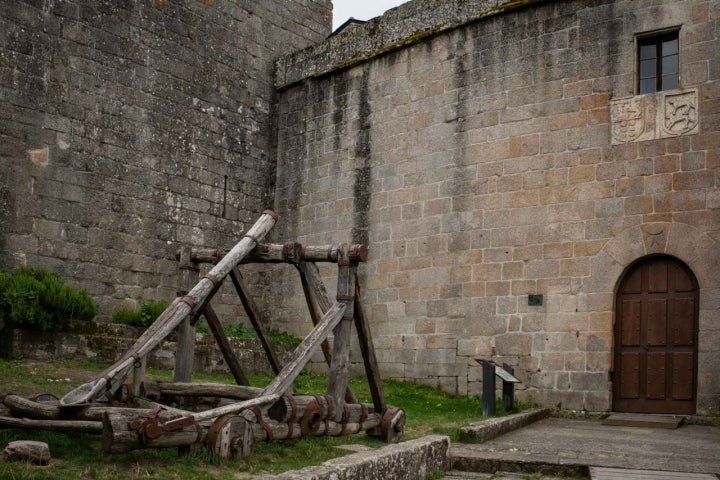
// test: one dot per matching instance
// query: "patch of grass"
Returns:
(239, 330)
(143, 316)
(76, 456)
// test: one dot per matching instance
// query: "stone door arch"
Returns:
(655, 338)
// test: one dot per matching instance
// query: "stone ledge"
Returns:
(411, 460)
(488, 429)
(410, 23)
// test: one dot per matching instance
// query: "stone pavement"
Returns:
(569, 447)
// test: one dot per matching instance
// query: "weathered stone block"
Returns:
(513, 344)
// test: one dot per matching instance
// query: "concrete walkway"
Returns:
(569, 447)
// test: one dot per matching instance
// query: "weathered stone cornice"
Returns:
(399, 27)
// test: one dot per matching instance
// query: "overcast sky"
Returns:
(361, 10)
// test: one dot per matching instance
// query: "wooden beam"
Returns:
(202, 389)
(254, 314)
(318, 303)
(288, 253)
(53, 425)
(367, 348)
(340, 362)
(314, 291)
(307, 348)
(185, 352)
(225, 348)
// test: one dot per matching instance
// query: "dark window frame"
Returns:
(658, 61)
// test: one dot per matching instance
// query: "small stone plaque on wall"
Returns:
(657, 115)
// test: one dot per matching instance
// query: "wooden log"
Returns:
(127, 431)
(333, 253)
(237, 392)
(230, 436)
(307, 348)
(143, 403)
(253, 314)
(318, 303)
(79, 426)
(392, 425)
(283, 431)
(185, 354)
(263, 399)
(193, 302)
(291, 408)
(287, 253)
(367, 348)
(225, 347)
(23, 407)
(340, 363)
(234, 435)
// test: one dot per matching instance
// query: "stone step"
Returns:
(644, 420)
(604, 473)
(458, 475)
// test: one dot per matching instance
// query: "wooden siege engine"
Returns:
(248, 414)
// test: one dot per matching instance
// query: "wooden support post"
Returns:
(309, 273)
(340, 362)
(367, 348)
(318, 303)
(139, 374)
(185, 354)
(254, 314)
(224, 344)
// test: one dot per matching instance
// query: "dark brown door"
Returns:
(656, 318)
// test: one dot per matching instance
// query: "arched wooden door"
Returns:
(656, 324)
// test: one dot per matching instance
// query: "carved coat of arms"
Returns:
(680, 114)
(628, 121)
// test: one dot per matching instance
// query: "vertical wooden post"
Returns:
(139, 374)
(340, 362)
(368, 352)
(185, 354)
(318, 304)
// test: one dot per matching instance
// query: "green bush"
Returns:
(37, 299)
(144, 316)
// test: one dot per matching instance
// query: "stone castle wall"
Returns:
(131, 128)
(471, 144)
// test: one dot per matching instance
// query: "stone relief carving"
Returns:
(628, 121)
(679, 113)
(653, 116)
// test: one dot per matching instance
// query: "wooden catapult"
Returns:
(249, 413)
